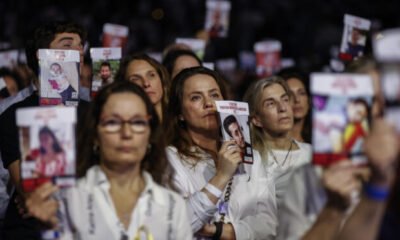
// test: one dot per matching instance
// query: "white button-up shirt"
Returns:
(88, 212)
(251, 206)
(287, 163)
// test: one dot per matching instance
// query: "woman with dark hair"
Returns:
(52, 159)
(118, 193)
(178, 59)
(149, 75)
(298, 84)
(227, 199)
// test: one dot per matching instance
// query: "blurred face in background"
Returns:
(146, 76)
(183, 62)
(301, 102)
(86, 76)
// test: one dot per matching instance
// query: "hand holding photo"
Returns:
(47, 145)
(234, 117)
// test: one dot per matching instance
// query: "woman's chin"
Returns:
(299, 117)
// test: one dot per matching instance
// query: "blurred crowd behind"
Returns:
(310, 31)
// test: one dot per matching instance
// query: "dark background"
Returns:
(307, 29)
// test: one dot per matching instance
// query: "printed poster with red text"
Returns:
(105, 65)
(354, 37)
(341, 116)
(268, 57)
(47, 145)
(115, 35)
(217, 18)
(234, 119)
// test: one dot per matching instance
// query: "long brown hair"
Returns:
(176, 130)
(154, 161)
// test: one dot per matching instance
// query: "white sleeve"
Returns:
(293, 218)
(68, 230)
(184, 231)
(262, 225)
(200, 208)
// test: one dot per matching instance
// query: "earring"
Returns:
(149, 147)
(96, 148)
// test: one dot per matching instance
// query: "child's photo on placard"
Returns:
(59, 77)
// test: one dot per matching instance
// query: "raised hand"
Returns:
(229, 158)
(41, 205)
(382, 148)
(342, 182)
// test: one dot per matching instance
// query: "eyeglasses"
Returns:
(138, 125)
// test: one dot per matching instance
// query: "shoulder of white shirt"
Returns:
(96, 177)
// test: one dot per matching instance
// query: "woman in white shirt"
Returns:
(270, 103)
(225, 203)
(118, 195)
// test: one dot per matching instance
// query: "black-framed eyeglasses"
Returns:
(114, 124)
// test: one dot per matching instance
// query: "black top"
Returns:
(9, 145)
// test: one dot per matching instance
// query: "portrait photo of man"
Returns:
(235, 131)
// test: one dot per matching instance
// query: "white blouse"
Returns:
(303, 201)
(251, 206)
(88, 212)
(286, 162)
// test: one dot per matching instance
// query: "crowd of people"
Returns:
(151, 163)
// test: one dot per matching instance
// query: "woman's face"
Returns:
(183, 62)
(126, 145)
(275, 114)
(301, 104)
(198, 106)
(46, 141)
(145, 75)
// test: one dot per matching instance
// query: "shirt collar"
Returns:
(95, 177)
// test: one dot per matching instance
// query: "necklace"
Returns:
(287, 154)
